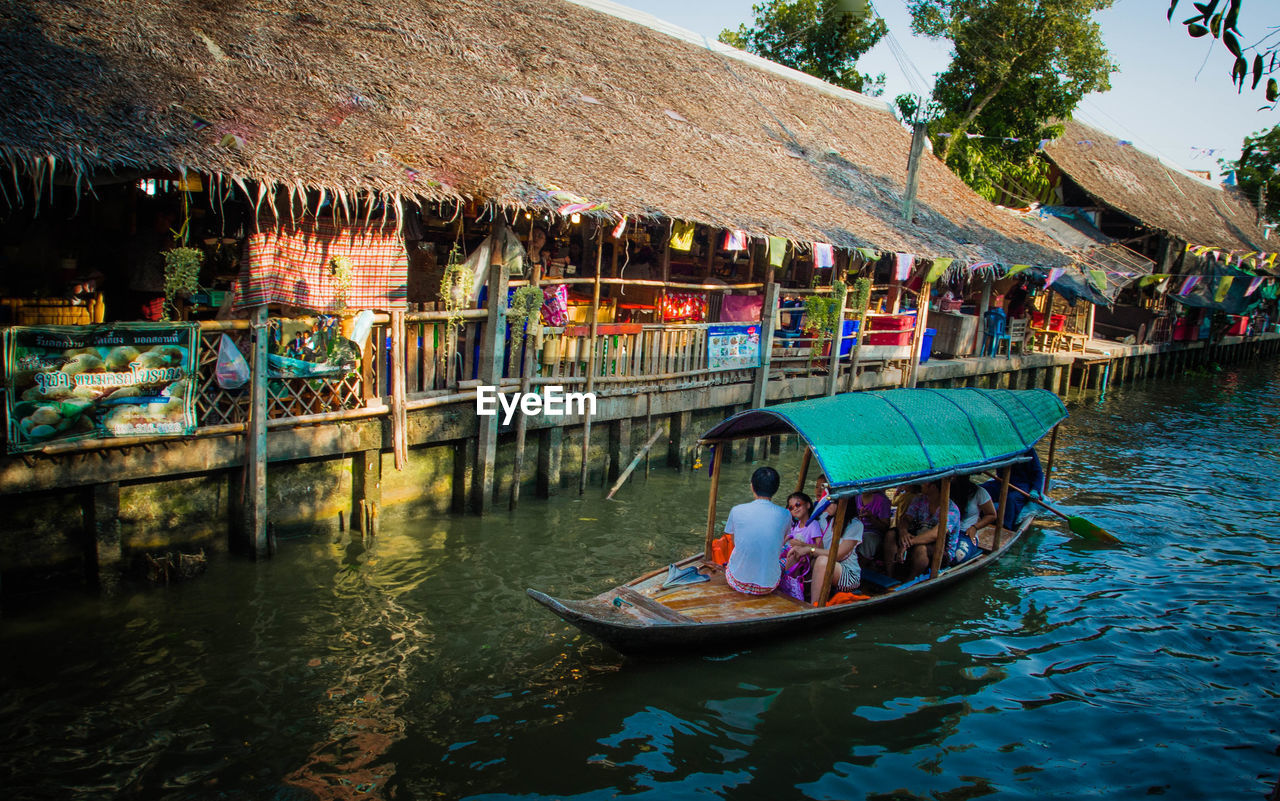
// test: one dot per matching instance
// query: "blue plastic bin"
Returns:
(926, 344)
(848, 337)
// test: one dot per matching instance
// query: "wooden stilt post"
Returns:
(804, 469)
(711, 504)
(917, 338)
(256, 440)
(399, 378)
(591, 361)
(1005, 473)
(104, 554)
(550, 451)
(366, 487)
(837, 335)
(837, 530)
(526, 382)
(768, 323)
(940, 544)
(492, 357)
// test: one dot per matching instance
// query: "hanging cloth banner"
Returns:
(681, 236)
(868, 253)
(1054, 275)
(735, 240)
(903, 262)
(824, 255)
(1253, 285)
(1224, 286)
(1017, 268)
(619, 228)
(981, 265)
(1189, 285)
(1148, 280)
(1099, 279)
(777, 251)
(937, 270)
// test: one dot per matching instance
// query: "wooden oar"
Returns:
(1078, 525)
(639, 455)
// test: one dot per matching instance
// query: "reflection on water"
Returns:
(416, 667)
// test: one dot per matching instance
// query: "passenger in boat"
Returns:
(847, 576)
(875, 511)
(977, 511)
(804, 531)
(917, 533)
(758, 530)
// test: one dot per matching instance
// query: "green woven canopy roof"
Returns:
(869, 440)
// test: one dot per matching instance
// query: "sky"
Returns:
(1172, 95)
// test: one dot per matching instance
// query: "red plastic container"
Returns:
(891, 322)
(889, 337)
(1239, 326)
(1057, 322)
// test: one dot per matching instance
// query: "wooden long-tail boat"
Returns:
(862, 441)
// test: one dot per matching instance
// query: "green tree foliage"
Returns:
(1251, 62)
(821, 37)
(1256, 171)
(1017, 66)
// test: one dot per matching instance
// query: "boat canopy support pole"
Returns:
(711, 503)
(837, 529)
(1005, 473)
(804, 469)
(591, 361)
(1048, 466)
(940, 543)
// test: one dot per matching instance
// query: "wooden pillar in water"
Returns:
(104, 552)
(711, 504)
(591, 362)
(619, 446)
(492, 358)
(833, 363)
(550, 451)
(464, 464)
(255, 474)
(366, 488)
(526, 383)
(681, 422)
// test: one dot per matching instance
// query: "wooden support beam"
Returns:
(550, 453)
(593, 346)
(256, 440)
(917, 338)
(768, 324)
(526, 379)
(681, 423)
(366, 488)
(104, 551)
(804, 469)
(837, 531)
(619, 445)
(399, 379)
(1005, 474)
(1053, 447)
(464, 463)
(492, 357)
(711, 504)
(940, 544)
(833, 361)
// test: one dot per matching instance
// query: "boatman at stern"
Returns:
(758, 530)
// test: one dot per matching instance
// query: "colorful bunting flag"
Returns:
(1224, 286)
(620, 227)
(682, 236)
(1017, 268)
(903, 262)
(1188, 285)
(1253, 285)
(938, 269)
(735, 240)
(1099, 279)
(777, 251)
(824, 255)
(1054, 274)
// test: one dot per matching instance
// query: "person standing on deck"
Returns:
(758, 529)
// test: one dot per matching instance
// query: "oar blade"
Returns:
(1089, 530)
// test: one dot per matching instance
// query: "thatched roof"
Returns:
(440, 99)
(1158, 196)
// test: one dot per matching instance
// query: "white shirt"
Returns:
(758, 530)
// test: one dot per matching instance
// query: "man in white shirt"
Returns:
(758, 530)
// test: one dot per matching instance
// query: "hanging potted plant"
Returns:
(821, 314)
(181, 277)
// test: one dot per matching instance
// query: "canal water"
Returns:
(416, 668)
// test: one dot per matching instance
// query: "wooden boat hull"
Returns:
(632, 620)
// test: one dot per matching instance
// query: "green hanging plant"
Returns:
(455, 288)
(526, 303)
(181, 276)
(859, 303)
(821, 314)
(343, 273)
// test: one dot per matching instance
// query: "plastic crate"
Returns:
(891, 322)
(889, 337)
